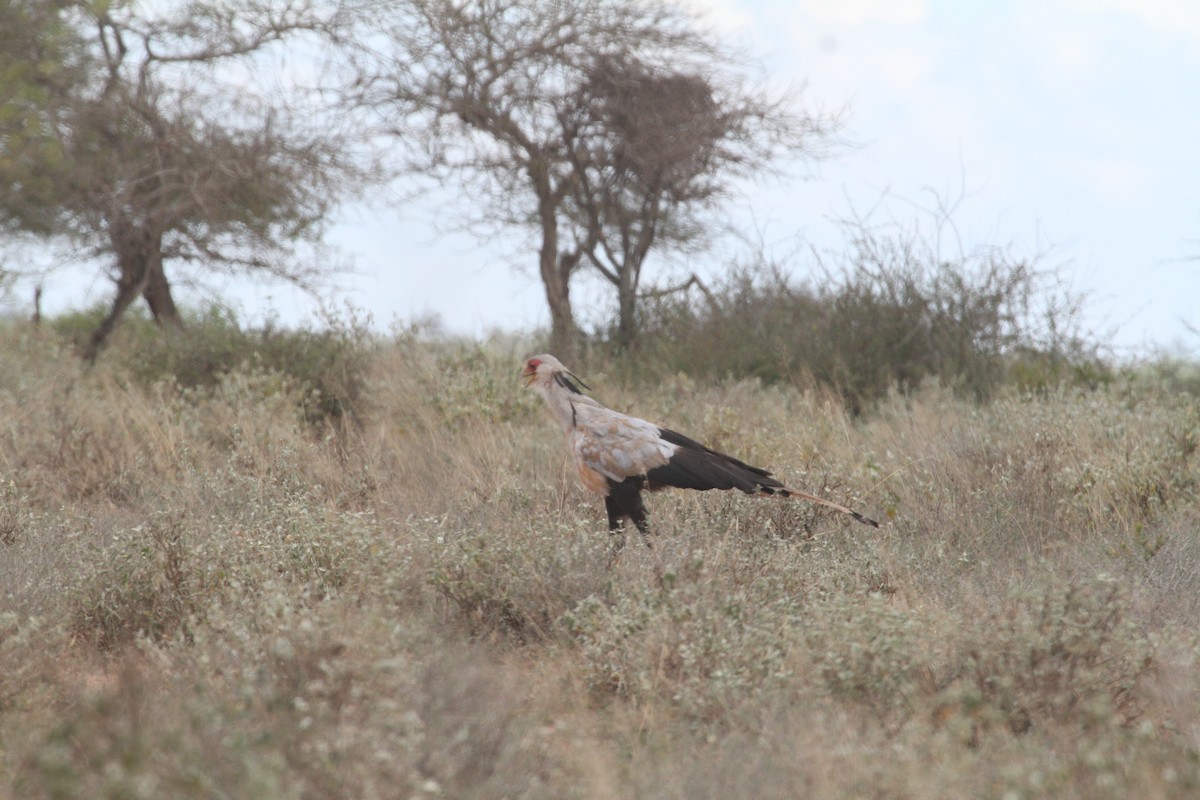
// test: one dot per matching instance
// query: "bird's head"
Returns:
(546, 371)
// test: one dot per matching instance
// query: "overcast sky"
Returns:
(1073, 126)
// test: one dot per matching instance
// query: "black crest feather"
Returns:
(570, 382)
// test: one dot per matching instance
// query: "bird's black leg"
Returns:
(612, 506)
(615, 527)
(637, 513)
(625, 500)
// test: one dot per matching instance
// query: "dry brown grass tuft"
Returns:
(204, 595)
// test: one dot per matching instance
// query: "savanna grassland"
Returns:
(238, 587)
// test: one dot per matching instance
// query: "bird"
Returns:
(619, 456)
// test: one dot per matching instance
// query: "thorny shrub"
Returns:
(202, 598)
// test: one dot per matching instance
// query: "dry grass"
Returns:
(204, 596)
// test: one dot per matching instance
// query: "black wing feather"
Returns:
(694, 466)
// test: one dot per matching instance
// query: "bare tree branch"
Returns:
(162, 155)
(499, 97)
(654, 149)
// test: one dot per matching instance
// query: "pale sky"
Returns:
(1073, 125)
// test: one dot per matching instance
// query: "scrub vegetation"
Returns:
(213, 589)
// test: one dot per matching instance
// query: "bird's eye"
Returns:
(534, 363)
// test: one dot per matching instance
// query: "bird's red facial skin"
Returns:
(530, 370)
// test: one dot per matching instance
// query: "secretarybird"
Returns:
(619, 456)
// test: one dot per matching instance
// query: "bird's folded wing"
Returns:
(616, 445)
(694, 466)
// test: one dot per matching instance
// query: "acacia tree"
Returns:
(640, 144)
(595, 124)
(654, 146)
(473, 94)
(41, 56)
(147, 157)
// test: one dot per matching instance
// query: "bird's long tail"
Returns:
(812, 498)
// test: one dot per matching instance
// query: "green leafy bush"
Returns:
(518, 583)
(328, 366)
(1068, 654)
(892, 317)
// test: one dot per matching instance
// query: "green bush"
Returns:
(893, 316)
(327, 365)
(1066, 654)
(517, 582)
(161, 579)
(1175, 374)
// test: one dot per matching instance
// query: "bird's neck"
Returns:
(561, 405)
